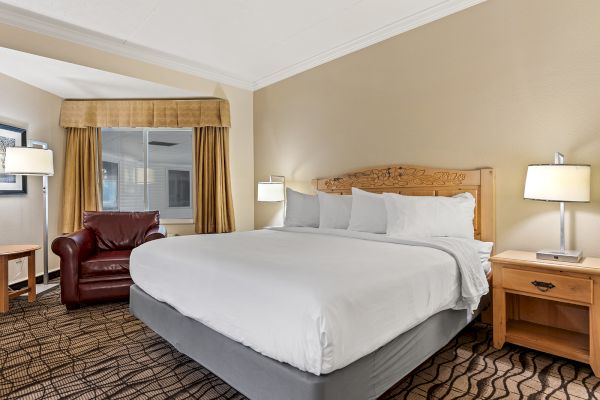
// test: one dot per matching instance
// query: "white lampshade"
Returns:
(28, 161)
(271, 191)
(558, 182)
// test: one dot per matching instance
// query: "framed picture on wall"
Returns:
(11, 136)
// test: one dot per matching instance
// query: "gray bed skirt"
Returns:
(262, 378)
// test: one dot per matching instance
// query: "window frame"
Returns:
(146, 150)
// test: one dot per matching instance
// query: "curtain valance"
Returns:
(195, 113)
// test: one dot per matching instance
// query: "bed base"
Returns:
(261, 377)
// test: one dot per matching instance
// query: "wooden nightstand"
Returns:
(548, 306)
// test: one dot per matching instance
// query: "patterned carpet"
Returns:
(103, 352)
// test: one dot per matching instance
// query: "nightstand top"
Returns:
(589, 265)
(9, 249)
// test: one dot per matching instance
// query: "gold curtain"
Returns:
(81, 183)
(183, 113)
(214, 204)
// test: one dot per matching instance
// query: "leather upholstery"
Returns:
(156, 232)
(106, 263)
(119, 230)
(94, 261)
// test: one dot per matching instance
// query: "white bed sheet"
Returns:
(316, 300)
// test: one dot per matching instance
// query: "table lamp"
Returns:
(561, 183)
(272, 191)
(34, 161)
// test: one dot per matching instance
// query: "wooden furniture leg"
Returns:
(31, 276)
(499, 318)
(3, 284)
(499, 306)
(595, 328)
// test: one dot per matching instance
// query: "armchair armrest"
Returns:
(72, 250)
(156, 232)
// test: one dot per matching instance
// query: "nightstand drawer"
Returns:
(548, 285)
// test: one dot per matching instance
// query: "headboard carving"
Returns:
(395, 176)
(425, 181)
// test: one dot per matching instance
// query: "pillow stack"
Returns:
(390, 213)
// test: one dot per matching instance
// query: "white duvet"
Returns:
(315, 299)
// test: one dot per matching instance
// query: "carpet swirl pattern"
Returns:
(102, 352)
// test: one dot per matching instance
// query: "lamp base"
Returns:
(573, 256)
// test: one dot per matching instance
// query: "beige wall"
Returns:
(241, 134)
(502, 84)
(21, 217)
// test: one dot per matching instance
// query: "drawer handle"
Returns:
(543, 286)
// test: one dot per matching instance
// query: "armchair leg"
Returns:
(71, 307)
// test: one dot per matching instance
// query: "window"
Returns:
(110, 186)
(148, 169)
(179, 188)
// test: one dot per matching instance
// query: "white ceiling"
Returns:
(245, 43)
(71, 81)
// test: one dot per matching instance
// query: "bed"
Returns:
(337, 330)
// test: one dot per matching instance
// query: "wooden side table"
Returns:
(548, 306)
(12, 252)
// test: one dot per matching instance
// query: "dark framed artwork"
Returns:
(11, 136)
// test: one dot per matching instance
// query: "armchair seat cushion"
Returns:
(103, 263)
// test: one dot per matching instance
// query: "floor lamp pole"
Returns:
(45, 195)
(46, 285)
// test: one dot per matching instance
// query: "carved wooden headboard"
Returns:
(425, 181)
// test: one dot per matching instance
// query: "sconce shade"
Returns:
(558, 182)
(271, 191)
(29, 161)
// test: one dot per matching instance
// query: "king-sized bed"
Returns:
(312, 313)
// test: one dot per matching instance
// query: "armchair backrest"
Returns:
(120, 230)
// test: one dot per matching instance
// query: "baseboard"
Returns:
(38, 279)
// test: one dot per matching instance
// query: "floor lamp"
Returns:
(34, 160)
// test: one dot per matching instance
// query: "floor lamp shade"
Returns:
(558, 182)
(29, 161)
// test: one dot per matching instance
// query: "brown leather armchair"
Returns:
(94, 261)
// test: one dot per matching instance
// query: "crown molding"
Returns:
(402, 25)
(30, 21)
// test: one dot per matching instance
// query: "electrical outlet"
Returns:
(18, 268)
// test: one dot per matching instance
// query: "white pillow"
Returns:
(302, 209)
(368, 212)
(334, 210)
(427, 216)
